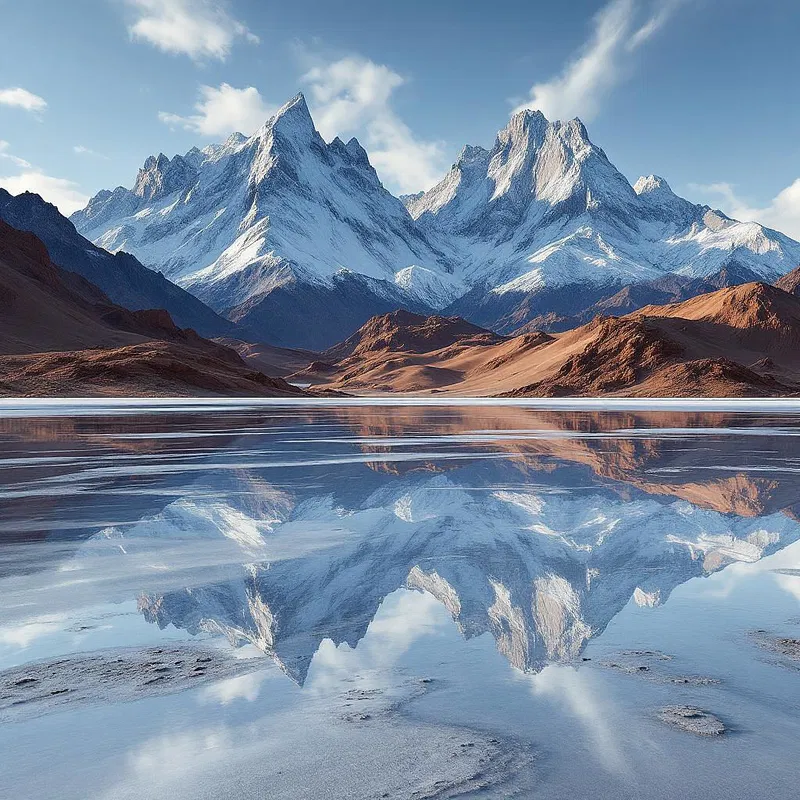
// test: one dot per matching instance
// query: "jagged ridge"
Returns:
(542, 223)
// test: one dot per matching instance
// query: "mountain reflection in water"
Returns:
(284, 527)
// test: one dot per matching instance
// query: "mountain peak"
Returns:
(649, 184)
(236, 139)
(298, 102)
(292, 118)
(532, 123)
(405, 331)
(472, 154)
(29, 211)
(151, 162)
(356, 151)
(658, 197)
(352, 152)
(160, 176)
(528, 114)
(524, 124)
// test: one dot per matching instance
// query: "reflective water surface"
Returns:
(404, 602)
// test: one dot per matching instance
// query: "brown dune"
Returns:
(402, 331)
(400, 351)
(735, 342)
(151, 368)
(60, 335)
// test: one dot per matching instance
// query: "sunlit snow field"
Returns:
(354, 599)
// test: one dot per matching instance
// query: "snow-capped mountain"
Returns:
(299, 241)
(544, 222)
(281, 218)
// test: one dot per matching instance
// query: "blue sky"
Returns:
(702, 92)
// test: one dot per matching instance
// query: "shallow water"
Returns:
(406, 601)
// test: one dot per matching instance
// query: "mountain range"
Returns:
(297, 241)
(532, 269)
(61, 334)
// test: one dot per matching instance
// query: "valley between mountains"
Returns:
(279, 265)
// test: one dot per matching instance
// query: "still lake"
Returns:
(387, 600)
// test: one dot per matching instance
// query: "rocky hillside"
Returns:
(60, 335)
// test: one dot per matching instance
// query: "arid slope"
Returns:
(60, 335)
(735, 342)
(399, 352)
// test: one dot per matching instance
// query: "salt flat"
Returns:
(399, 598)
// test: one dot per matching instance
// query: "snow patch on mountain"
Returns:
(435, 289)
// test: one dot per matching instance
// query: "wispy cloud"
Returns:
(222, 110)
(353, 96)
(63, 193)
(199, 29)
(17, 97)
(782, 212)
(8, 156)
(578, 691)
(618, 30)
(80, 150)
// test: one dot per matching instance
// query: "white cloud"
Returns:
(790, 584)
(583, 696)
(63, 193)
(24, 634)
(651, 25)
(240, 687)
(18, 97)
(196, 28)
(408, 163)
(80, 150)
(602, 62)
(782, 213)
(353, 96)
(16, 160)
(224, 110)
(350, 91)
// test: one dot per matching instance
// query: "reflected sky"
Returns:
(354, 600)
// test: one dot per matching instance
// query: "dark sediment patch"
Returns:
(785, 648)
(112, 676)
(651, 665)
(692, 720)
